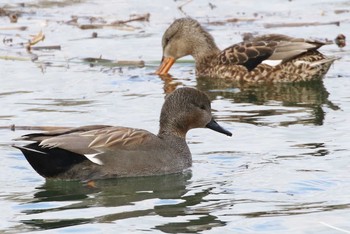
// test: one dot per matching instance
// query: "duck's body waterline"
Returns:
(268, 58)
(98, 152)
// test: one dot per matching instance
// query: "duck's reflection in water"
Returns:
(119, 199)
(303, 102)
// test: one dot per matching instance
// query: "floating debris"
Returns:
(137, 63)
(134, 17)
(35, 40)
(7, 40)
(340, 40)
(17, 58)
(14, 127)
(118, 24)
(182, 5)
(91, 26)
(277, 25)
(13, 18)
(117, 63)
(341, 11)
(53, 47)
(212, 6)
(235, 20)
(21, 28)
(73, 21)
(231, 20)
(5, 12)
(123, 27)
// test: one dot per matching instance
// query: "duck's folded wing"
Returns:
(282, 37)
(252, 53)
(53, 154)
(91, 140)
(38, 137)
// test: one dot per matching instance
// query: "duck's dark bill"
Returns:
(213, 125)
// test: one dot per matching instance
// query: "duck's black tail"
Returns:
(49, 162)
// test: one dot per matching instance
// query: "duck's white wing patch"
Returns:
(272, 63)
(93, 159)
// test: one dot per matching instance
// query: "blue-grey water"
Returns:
(285, 170)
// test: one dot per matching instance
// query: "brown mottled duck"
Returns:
(266, 58)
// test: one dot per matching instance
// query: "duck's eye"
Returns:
(202, 107)
(167, 39)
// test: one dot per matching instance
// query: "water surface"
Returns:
(285, 170)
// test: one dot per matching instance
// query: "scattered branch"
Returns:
(21, 28)
(277, 25)
(124, 27)
(18, 58)
(144, 17)
(182, 5)
(13, 127)
(231, 20)
(53, 47)
(126, 63)
(119, 24)
(35, 40)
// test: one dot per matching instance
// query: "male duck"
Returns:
(267, 58)
(101, 151)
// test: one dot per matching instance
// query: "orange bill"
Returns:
(165, 66)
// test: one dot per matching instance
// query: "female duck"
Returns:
(101, 151)
(268, 58)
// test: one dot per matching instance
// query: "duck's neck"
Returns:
(205, 52)
(177, 143)
(166, 132)
(176, 139)
(170, 123)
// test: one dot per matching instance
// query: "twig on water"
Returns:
(53, 47)
(144, 17)
(119, 24)
(126, 63)
(182, 5)
(277, 25)
(124, 27)
(35, 40)
(15, 58)
(21, 28)
(13, 127)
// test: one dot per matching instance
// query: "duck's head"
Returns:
(184, 37)
(185, 109)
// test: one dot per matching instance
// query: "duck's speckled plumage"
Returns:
(267, 58)
(102, 151)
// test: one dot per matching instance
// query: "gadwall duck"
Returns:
(98, 152)
(267, 58)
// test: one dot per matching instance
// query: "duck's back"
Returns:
(269, 58)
